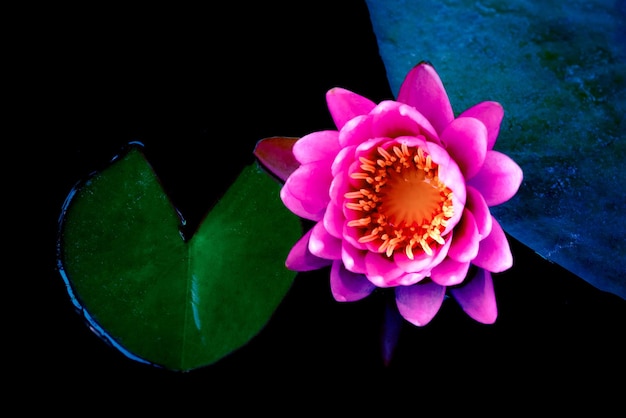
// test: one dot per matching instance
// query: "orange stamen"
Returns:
(401, 204)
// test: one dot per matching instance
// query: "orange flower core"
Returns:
(401, 204)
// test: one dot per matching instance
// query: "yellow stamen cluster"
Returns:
(401, 204)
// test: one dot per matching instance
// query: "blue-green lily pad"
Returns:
(157, 296)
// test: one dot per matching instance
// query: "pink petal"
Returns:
(295, 205)
(409, 279)
(499, 179)
(347, 286)
(464, 246)
(450, 174)
(310, 184)
(490, 114)
(317, 146)
(345, 105)
(449, 272)
(465, 139)
(380, 270)
(494, 252)
(324, 245)
(276, 155)
(301, 259)
(419, 303)
(333, 219)
(422, 263)
(339, 186)
(343, 160)
(351, 236)
(365, 147)
(477, 298)
(356, 130)
(353, 258)
(422, 88)
(394, 119)
(482, 216)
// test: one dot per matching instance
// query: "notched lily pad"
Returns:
(160, 299)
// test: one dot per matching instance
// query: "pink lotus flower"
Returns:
(400, 195)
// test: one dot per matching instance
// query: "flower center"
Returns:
(401, 204)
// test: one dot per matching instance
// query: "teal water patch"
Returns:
(559, 70)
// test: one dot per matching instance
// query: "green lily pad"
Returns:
(160, 298)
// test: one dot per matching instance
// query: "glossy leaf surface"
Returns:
(158, 298)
